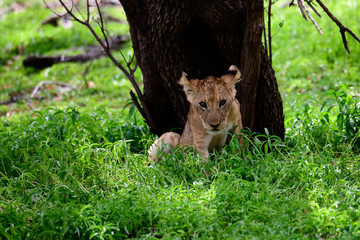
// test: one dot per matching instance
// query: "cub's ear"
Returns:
(232, 76)
(187, 86)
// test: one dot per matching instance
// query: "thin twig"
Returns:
(265, 38)
(269, 31)
(312, 20)
(310, 3)
(48, 7)
(85, 73)
(40, 84)
(131, 61)
(301, 6)
(135, 67)
(136, 102)
(103, 31)
(69, 11)
(77, 9)
(343, 29)
(87, 11)
(306, 14)
(144, 110)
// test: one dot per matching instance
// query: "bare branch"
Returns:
(69, 11)
(85, 74)
(40, 84)
(343, 29)
(269, 31)
(136, 102)
(265, 36)
(87, 11)
(301, 6)
(55, 12)
(306, 14)
(309, 2)
(135, 67)
(78, 10)
(128, 70)
(131, 61)
(101, 24)
(312, 20)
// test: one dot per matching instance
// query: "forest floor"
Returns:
(73, 162)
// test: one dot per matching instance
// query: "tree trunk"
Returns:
(203, 37)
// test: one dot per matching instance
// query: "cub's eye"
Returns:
(202, 104)
(222, 103)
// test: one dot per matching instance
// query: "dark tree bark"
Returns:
(203, 37)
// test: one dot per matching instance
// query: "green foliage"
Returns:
(77, 168)
(334, 125)
(76, 175)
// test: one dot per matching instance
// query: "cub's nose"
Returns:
(214, 126)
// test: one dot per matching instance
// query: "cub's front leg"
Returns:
(204, 152)
(165, 143)
(201, 141)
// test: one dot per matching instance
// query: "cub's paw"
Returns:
(165, 143)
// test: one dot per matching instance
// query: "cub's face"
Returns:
(212, 99)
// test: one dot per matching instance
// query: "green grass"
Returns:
(28, 37)
(77, 168)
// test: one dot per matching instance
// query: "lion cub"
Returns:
(214, 111)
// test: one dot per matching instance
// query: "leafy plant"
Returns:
(348, 118)
(336, 127)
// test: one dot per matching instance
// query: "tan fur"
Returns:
(209, 118)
